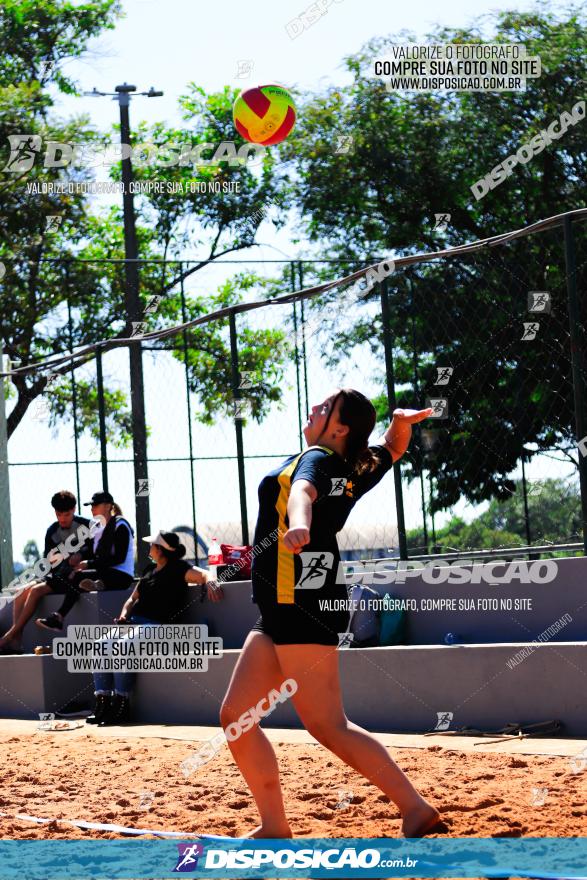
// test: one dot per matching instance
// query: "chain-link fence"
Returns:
(491, 334)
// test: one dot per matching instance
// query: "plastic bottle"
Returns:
(452, 639)
(214, 558)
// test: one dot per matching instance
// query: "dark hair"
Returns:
(358, 413)
(63, 501)
(173, 540)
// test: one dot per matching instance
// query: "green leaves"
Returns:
(79, 262)
(118, 416)
(34, 32)
(417, 155)
(553, 514)
(262, 354)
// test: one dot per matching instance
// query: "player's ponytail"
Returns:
(358, 413)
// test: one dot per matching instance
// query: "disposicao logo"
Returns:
(189, 853)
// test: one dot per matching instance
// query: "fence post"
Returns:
(6, 559)
(388, 347)
(238, 427)
(577, 332)
(297, 354)
(418, 431)
(303, 328)
(102, 418)
(184, 319)
(73, 386)
(525, 501)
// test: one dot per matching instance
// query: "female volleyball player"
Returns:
(306, 501)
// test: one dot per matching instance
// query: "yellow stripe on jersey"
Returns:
(285, 558)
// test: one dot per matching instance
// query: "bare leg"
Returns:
(255, 674)
(11, 636)
(318, 702)
(24, 608)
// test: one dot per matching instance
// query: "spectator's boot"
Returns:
(119, 711)
(90, 586)
(103, 703)
(53, 621)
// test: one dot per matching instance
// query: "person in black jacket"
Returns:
(161, 596)
(107, 563)
(64, 539)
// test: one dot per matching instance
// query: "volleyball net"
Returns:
(234, 353)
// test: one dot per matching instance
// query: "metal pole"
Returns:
(184, 318)
(297, 355)
(73, 385)
(435, 547)
(417, 432)
(577, 332)
(6, 559)
(388, 347)
(134, 314)
(525, 497)
(304, 359)
(102, 419)
(238, 427)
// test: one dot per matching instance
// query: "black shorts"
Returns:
(301, 624)
(58, 585)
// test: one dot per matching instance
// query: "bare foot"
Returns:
(266, 832)
(420, 821)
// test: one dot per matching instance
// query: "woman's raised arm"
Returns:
(398, 435)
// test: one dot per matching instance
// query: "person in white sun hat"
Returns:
(161, 596)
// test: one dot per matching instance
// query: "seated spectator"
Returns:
(161, 596)
(107, 563)
(65, 530)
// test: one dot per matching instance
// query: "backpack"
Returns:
(392, 625)
(363, 623)
(371, 623)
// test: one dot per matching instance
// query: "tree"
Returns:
(416, 155)
(554, 515)
(37, 37)
(554, 512)
(63, 287)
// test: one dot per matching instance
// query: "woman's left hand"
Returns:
(215, 591)
(411, 416)
(295, 538)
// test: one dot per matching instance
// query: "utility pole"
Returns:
(6, 561)
(134, 316)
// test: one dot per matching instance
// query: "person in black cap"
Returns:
(69, 532)
(161, 596)
(106, 564)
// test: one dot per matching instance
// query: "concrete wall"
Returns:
(404, 688)
(566, 593)
(92, 608)
(233, 618)
(399, 688)
(30, 685)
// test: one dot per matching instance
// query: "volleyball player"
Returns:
(308, 499)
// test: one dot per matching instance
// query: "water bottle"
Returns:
(452, 639)
(214, 558)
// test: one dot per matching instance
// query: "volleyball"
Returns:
(264, 114)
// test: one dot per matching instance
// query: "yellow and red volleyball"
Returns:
(264, 114)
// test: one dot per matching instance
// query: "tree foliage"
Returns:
(65, 288)
(416, 155)
(554, 516)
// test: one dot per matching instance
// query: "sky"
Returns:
(167, 45)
